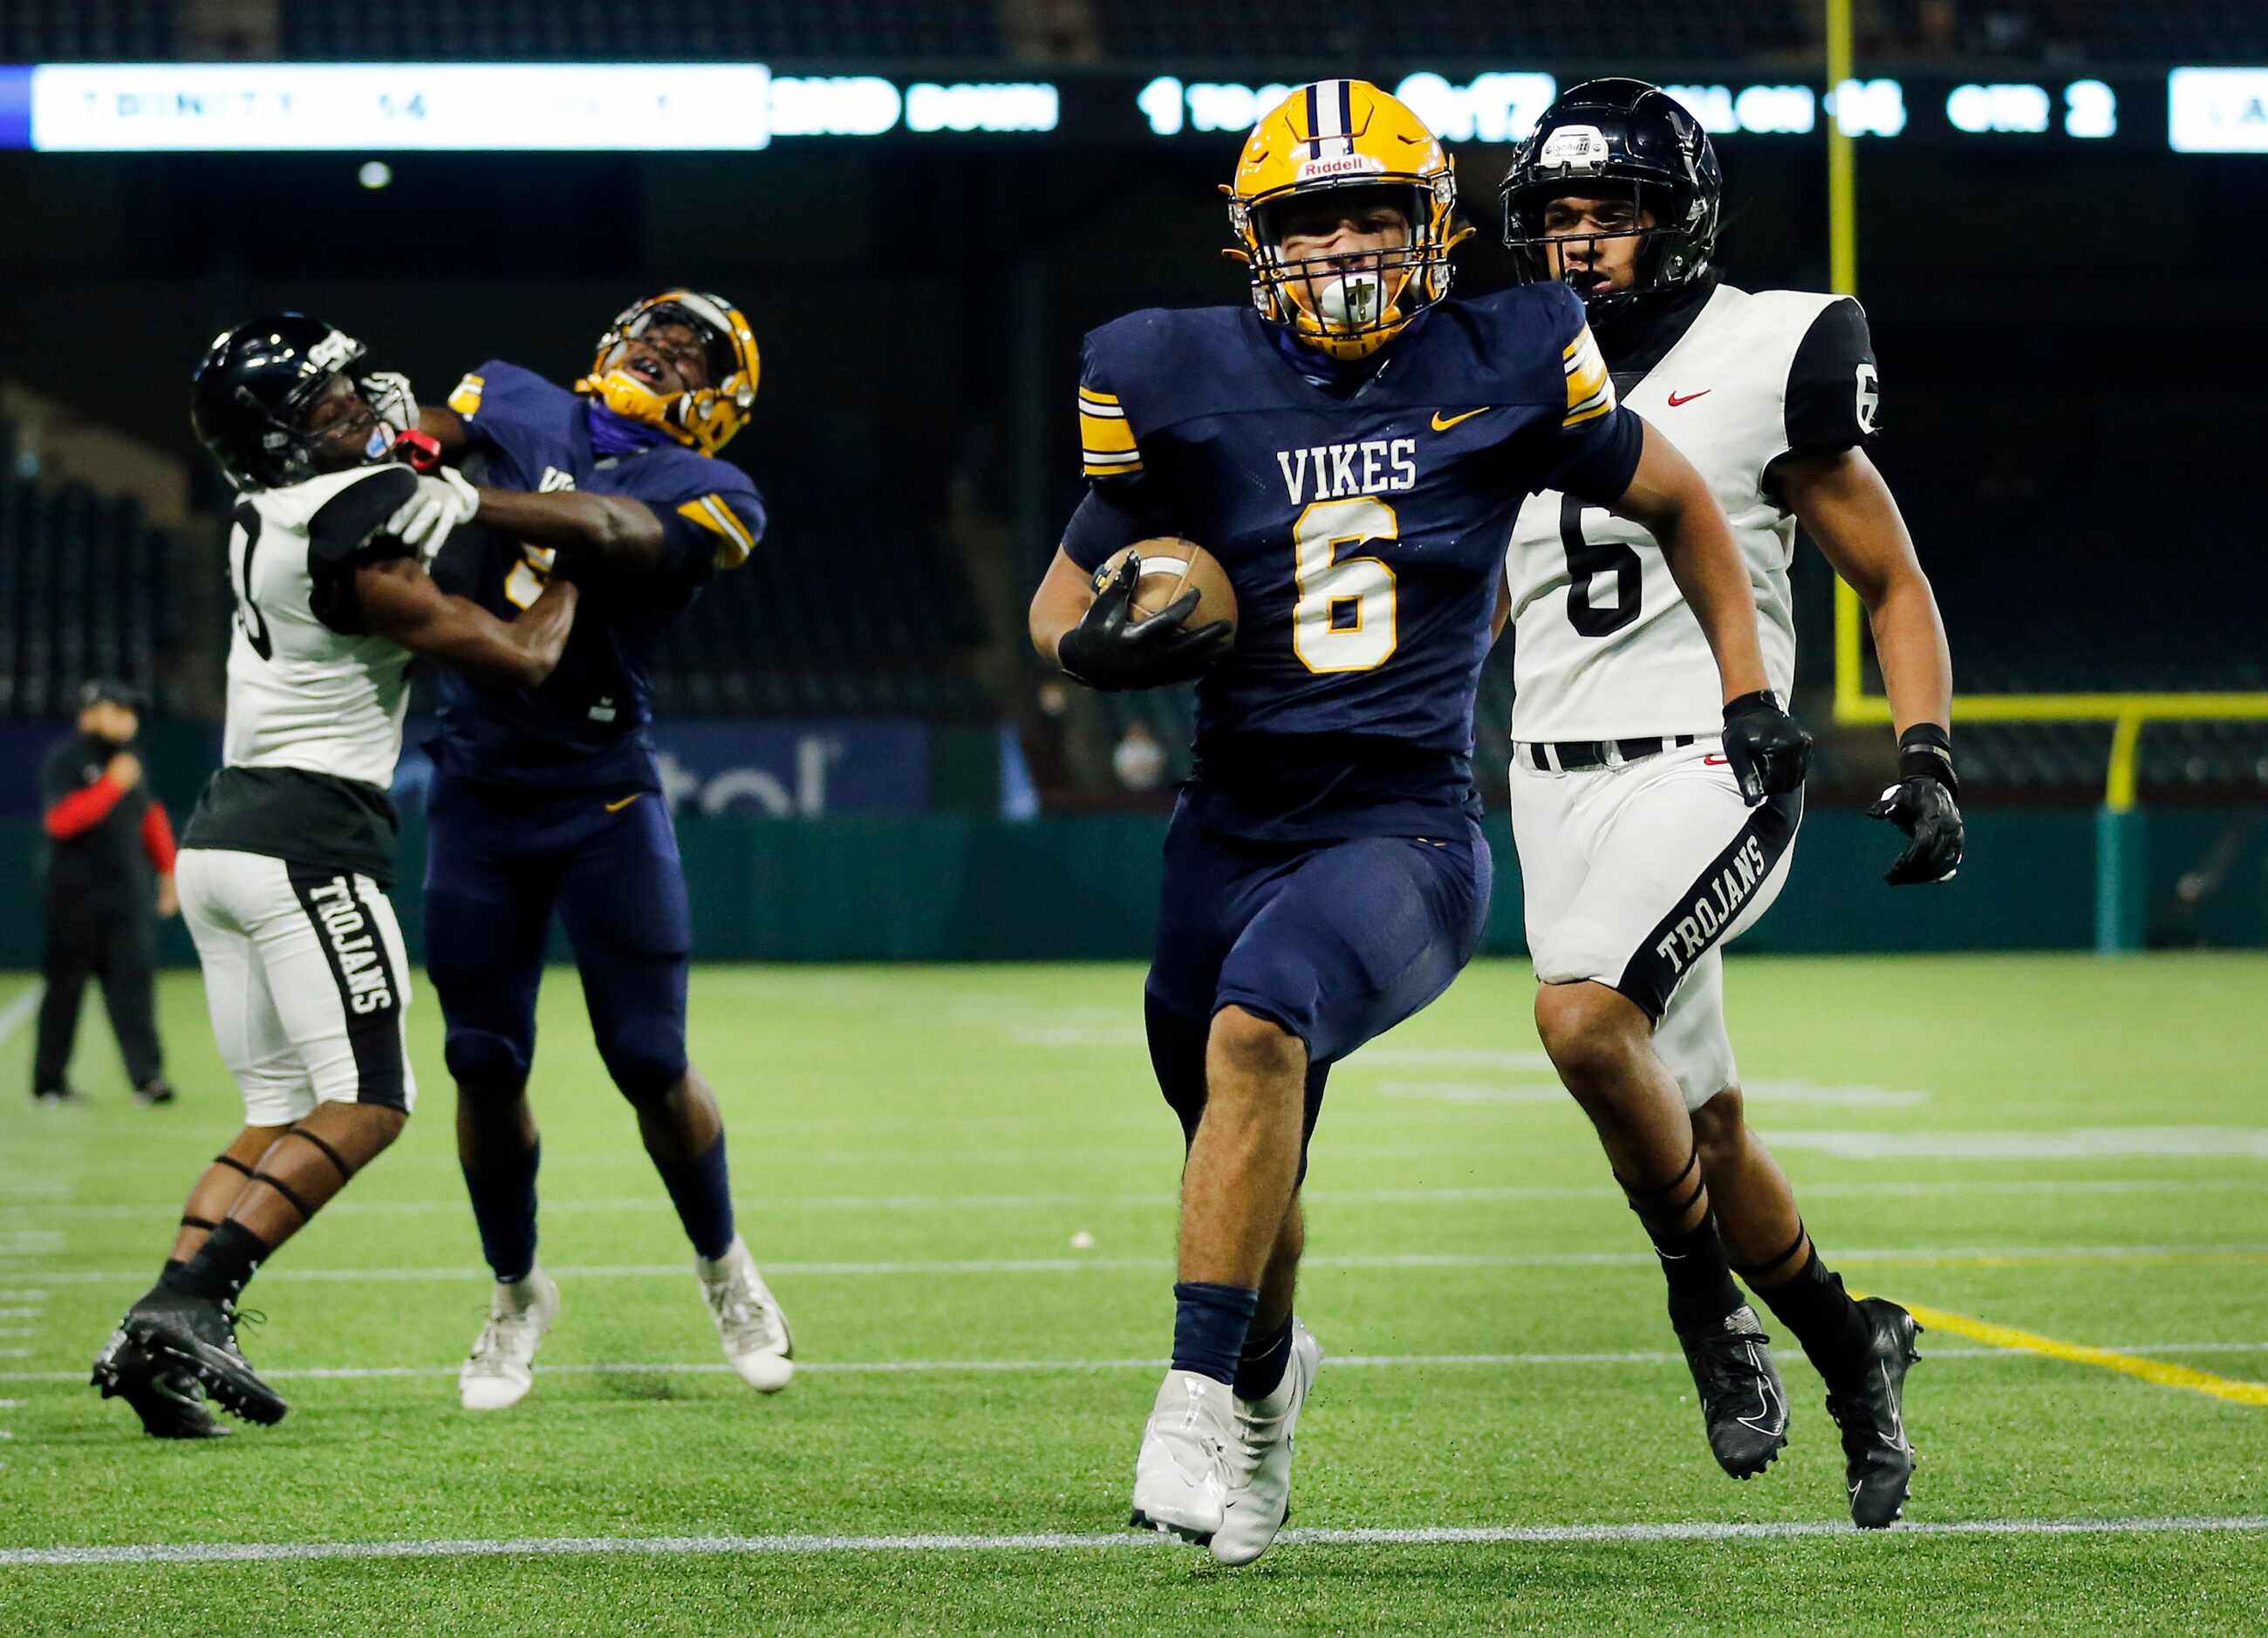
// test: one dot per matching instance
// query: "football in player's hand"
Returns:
(1170, 569)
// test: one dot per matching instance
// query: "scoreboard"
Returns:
(726, 107)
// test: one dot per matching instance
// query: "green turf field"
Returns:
(2075, 1148)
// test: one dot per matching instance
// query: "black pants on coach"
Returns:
(106, 936)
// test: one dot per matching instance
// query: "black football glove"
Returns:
(1768, 749)
(1113, 648)
(1923, 804)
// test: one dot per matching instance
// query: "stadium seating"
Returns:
(96, 31)
(84, 592)
(655, 30)
(846, 610)
(35, 30)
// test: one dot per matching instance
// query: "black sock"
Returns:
(503, 1190)
(222, 1265)
(1701, 1289)
(1260, 1369)
(701, 1191)
(1210, 1323)
(1814, 1305)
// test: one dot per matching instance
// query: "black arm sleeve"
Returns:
(1599, 468)
(1109, 519)
(1833, 392)
(345, 534)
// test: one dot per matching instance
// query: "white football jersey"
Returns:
(1605, 646)
(303, 692)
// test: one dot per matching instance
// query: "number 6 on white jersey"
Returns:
(1344, 621)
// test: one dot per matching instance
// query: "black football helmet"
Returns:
(251, 398)
(1619, 136)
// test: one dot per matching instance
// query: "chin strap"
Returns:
(633, 400)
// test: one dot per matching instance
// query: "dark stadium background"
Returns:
(2071, 337)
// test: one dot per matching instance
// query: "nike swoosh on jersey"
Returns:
(617, 807)
(1675, 401)
(1440, 425)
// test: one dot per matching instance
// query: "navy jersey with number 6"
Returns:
(1361, 518)
(585, 728)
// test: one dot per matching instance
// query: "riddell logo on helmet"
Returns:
(1343, 164)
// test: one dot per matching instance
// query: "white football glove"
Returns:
(443, 501)
(388, 394)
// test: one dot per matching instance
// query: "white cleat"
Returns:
(1181, 1476)
(1260, 1458)
(749, 1323)
(502, 1368)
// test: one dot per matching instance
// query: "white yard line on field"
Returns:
(1981, 1188)
(1994, 1256)
(1044, 1367)
(674, 1546)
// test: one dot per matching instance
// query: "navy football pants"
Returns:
(1337, 941)
(497, 866)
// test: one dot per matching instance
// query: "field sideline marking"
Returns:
(1041, 1367)
(1165, 1199)
(2163, 1373)
(1948, 1256)
(661, 1546)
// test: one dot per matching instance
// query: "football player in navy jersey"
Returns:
(1639, 857)
(548, 800)
(1352, 447)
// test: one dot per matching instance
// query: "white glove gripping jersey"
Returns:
(1605, 646)
(307, 687)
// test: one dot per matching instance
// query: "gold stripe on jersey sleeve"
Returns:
(466, 401)
(1590, 388)
(734, 539)
(1106, 437)
(1093, 396)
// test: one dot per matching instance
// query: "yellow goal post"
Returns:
(2118, 833)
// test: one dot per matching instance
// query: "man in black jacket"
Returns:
(109, 839)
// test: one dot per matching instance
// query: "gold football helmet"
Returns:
(705, 420)
(1334, 135)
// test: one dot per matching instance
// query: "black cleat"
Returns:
(1743, 1404)
(155, 1091)
(198, 1335)
(56, 1097)
(1878, 1460)
(168, 1398)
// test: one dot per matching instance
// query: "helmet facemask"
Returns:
(1673, 250)
(704, 418)
(291, 451)
(1347, 304)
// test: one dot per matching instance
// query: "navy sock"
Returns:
(222, 1265)
(701, 1191)
(504, 1206)
(1210, 1323)
(1261, 1369)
